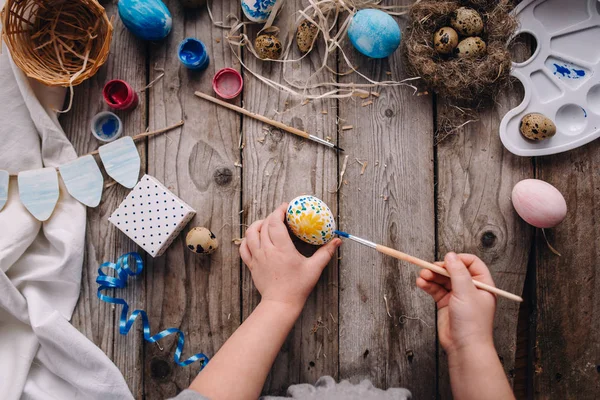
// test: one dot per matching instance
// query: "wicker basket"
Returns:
(57, 42)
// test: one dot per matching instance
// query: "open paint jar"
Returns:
(119, 95)
(192, 54)
(106, 126)
(228, 83)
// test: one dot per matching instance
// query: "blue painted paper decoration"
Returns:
(38, 190)
(121, 161)
(4, 177)
(374, 33)
(83, 180)
(146, 19)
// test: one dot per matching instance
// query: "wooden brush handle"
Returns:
(261, 118)
(442, 271)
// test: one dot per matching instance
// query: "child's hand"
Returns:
(465, 313)
(279, 271)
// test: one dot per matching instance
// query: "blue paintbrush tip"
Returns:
(342, 234)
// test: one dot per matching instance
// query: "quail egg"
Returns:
(445, 40)
(537, 126)
(471, 47)
(467, 21)
(201, 240)
(305, 35)
(268, 47)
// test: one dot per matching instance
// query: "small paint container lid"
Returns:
(192, 54)
(228, 83)
(120, 95)
(106, 126)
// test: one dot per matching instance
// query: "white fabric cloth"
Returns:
(42, 356)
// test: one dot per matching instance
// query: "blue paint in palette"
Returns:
(38, 190)
(4, 178)
(146, 19)
(374, 33)
(121, 161)
(192, 54)
(83, 180)
(568, 71)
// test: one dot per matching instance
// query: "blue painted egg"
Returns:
(146, 19)
(374, 33)
(257, 10)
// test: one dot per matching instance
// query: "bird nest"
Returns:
(57, 42)
(465, 80)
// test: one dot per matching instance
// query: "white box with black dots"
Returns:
(152, 216)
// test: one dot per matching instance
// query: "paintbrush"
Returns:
(269, 121)
(424, 264)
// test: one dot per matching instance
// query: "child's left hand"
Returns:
(279, 271)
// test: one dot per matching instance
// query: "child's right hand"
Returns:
(465, 313)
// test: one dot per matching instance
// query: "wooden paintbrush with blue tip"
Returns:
(424, 264)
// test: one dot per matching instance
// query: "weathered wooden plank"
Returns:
(568, 287)
(278, 167)
(475, 214)
(198, 294)
(391, 203)
(98, 320)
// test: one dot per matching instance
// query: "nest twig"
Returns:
(465, 80)
(60, 42)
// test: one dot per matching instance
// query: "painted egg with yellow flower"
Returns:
(311, 220)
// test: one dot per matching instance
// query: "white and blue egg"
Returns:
(257, 10)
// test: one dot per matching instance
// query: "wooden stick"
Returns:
(266, 120)
(140, 137)
(442, 271)
(148, 134)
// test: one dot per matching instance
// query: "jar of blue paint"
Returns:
(192, 54)
(106, 126)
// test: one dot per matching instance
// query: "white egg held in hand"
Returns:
(311, 220)
(539, 203)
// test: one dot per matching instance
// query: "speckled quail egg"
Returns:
(467, 21)
(201, 240)
(536, 126)
(268, 47)
(445, 40)
(305, 35)
(471, 47)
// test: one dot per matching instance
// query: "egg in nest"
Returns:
(310, 220)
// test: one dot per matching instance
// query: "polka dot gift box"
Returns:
(152, 216)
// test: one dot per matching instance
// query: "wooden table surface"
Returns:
(419, 194)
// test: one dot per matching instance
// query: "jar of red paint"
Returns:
(119, 95)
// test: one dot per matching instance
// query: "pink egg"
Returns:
(539, 203)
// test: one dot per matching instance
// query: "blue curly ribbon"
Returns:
(123, 270)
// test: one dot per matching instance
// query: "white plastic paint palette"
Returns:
(561, 79)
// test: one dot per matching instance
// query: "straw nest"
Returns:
(57, 42)
(465, 80)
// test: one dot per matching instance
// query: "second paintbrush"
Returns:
(269, 121)
(424, 264)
